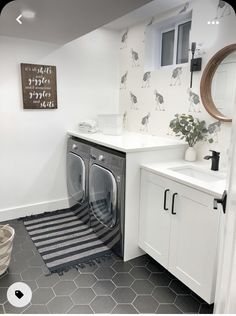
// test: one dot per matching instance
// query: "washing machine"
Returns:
(107, 196)
(78, 156)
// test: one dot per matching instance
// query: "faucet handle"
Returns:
(215, 153)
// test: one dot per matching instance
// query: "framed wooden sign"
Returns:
(39, 86)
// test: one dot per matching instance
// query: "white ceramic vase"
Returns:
(191, 154)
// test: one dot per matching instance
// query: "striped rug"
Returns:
(65, 240)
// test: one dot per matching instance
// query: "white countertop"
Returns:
(215, 188)
(129, 142)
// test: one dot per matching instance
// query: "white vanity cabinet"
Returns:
(155, 221)
(179, 229)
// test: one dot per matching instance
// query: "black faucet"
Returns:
(215, 158)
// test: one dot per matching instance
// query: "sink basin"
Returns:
(198, 174)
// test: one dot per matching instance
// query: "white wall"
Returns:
(176, 98)
(33, 142)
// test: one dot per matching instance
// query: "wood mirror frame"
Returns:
(206, 82)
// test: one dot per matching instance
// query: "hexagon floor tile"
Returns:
(141, 261)
(103, 304)
(9, 279)
(140, 273)
(104, 273)
(83, 296)
(31, 273)
(48, 281)
(103, 287)
(42, 296)
(36, 309)
(60, 305)
(107, 262)
(36, 261)
(88, 268)
(124, 309)
(142, 287)
(154, 267)
(179, 288)
(160, 279)
(17, 266)
(123, 279)
(85, 280)
(145, 304)
(10, 309)
(32, 284)
(80, 309)
(70, 275)
(109, 286)
(121, 266)
(64, 288)
(164, 294)
(168, 309)
(124, 295)
(187, 304)
(3, 295)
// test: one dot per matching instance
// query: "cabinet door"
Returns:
(154, 222)
(193, 241)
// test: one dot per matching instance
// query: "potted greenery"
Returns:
(190, 129)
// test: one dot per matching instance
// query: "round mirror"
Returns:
(218, 84)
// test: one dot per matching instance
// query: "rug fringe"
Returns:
(37, 216)
(77, 266)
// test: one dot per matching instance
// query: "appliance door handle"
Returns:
(165, 196)
(173, 204)
(222, 201)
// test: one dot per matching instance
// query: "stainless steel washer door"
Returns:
(103, 195)
(76, 177)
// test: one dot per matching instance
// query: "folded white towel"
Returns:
(88, 126)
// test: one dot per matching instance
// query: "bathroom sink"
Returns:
(198, 173)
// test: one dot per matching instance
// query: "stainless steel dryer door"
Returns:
(103, 195)
(76, 177)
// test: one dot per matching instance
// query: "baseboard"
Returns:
(32, 209)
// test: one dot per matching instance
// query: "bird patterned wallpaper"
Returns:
(150, 99)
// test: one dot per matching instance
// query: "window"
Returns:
(167, 42)
(167, 53)
(175, 44)
(183, 43)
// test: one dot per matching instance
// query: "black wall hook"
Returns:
(196, 63)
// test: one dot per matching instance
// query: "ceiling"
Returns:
(61, 21)
(151, 9)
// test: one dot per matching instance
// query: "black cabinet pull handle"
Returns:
(173, 204)
(165, 195)
(222, 201)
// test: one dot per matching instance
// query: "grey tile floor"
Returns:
(138, 286)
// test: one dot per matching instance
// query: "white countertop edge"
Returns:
(214, 189)
(89, 138)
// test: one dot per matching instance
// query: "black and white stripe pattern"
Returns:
(65, 238)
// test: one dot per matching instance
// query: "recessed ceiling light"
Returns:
(28, 14)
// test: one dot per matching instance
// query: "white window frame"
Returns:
(175, 28)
